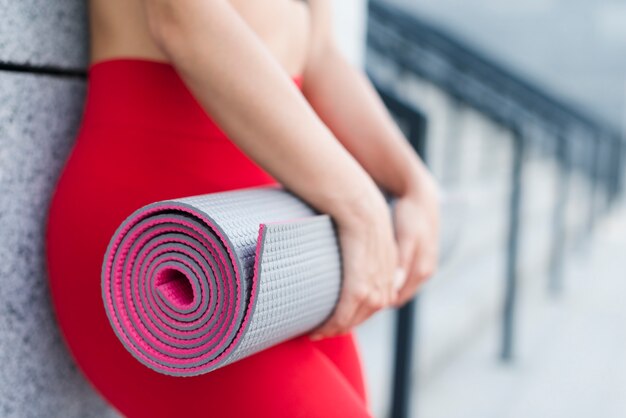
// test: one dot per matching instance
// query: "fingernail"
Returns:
(399, 278)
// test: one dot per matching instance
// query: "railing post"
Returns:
(511, 284)
(405, 358)
(555, 284)
(403, 383)
(594, 177)
(606, 173)
(621, 150)
(616, 168)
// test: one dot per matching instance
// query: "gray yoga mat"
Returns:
(193, 284)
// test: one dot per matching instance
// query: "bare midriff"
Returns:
(120, 29)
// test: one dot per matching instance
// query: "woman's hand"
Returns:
(417, 233)
(369, 257)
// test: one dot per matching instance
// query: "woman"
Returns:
(158, 69)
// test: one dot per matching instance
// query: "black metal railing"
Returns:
(413, 123)
(574, 140)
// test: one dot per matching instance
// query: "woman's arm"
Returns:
(250, 96)
(348, 104)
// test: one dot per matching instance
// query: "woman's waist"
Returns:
(127, 93)
(157, 151)
(156, 166)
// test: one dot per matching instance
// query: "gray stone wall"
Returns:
(41, 32)
(39, 116)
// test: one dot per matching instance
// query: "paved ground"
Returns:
(571, 351)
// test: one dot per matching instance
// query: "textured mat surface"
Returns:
(193, 284)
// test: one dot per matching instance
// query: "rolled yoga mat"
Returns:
(193, 284)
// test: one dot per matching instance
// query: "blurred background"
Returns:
(519, 108)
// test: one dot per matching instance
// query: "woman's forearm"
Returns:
(251, 97)
(346, 101)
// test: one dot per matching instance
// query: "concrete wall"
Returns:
(39, 116)
(43, 32)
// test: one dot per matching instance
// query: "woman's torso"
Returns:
(140, 121)
(143, 138)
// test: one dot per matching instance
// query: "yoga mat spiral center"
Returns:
(174, 287)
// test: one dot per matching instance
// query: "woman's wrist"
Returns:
(417, 181)
(361, 204)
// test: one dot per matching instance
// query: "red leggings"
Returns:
(145, 138)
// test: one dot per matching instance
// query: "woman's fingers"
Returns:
(423, 266)
(352, 309)
(361, 297)
(399, 279)
(406, 251)
(376, 302)
(340, 319)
